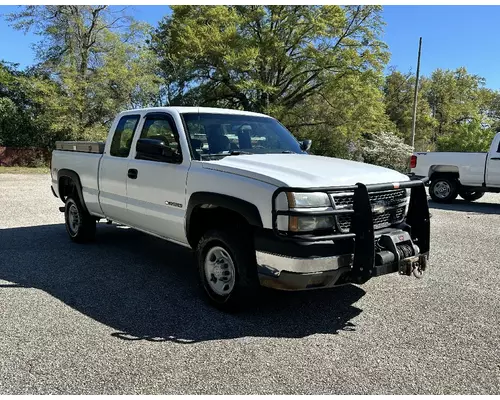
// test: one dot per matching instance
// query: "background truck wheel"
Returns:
(470, 196)
(80, 225)
(227, 269)
(443, 189)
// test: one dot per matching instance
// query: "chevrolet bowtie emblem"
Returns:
(378, 208)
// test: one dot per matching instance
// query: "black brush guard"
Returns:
(362, 231)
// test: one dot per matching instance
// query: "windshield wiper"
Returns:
(288, 152)
(238, 152)
(230, 153)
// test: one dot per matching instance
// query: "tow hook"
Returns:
(413, 266)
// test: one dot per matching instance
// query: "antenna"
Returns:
(414, 121)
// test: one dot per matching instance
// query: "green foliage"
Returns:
(455, 111)
(469, 137)
(318, 69)
(261, 57)
(399, 91)
(23, 107)
(98, 65)
(345, 110)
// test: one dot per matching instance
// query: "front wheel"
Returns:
(443, 190)
(471, 196)
(80, 225)
(227, 269)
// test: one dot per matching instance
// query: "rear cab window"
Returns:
(123, 136)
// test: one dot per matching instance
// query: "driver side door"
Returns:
(156, 189)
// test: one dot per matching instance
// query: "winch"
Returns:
(397, 248)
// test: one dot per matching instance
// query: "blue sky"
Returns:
(453, 36)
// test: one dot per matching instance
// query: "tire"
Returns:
(80, 225)
(470, 196)
(227, 269)
(443, 189)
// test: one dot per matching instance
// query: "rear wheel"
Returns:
(443, 189)
(227, 269)
(80, 225)
(470, 196)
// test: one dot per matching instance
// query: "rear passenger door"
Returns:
(113, 169)
(156, 194)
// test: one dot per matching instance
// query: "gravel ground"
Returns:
(123, 316)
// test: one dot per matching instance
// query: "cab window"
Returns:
(162, 128)
(122, 138)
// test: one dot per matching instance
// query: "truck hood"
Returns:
(302, 170)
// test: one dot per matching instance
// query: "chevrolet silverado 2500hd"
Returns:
(469, 175)
(244, 193)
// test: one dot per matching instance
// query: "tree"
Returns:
(96, 58)
(399, 92)
(256, 57)
(455, 111)
(337, 119)
(24, 107)
(461, 106)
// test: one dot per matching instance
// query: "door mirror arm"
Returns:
(305, 145)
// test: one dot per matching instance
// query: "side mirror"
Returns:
(155, 150)
(305, 145)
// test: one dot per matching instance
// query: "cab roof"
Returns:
(207, 110)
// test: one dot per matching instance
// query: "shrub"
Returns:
(387, 150)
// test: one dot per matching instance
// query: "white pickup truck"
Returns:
(469, 175)
(241, 191)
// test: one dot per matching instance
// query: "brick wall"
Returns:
(23, 157)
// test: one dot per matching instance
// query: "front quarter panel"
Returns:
(253, 191)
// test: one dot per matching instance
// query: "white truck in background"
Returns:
(242, 192)
(468, 175)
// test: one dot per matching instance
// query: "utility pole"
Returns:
(414, 122)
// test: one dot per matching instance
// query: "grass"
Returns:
(24, 170)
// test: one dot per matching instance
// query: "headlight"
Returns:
(307, 223)
(316, 199)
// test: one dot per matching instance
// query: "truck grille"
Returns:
(388, 208)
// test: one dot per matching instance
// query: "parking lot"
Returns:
(123, 315)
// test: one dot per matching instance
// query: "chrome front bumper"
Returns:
(290, 273)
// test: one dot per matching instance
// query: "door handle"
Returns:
(495, 158)
(132, 173)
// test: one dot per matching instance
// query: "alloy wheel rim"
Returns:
(219, 271)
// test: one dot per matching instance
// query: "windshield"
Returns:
(226, 134)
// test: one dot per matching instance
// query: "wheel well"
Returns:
(206, 216)
(443, 171)
(449, 175)
(67, 187)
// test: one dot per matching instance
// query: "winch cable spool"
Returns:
(405, 250)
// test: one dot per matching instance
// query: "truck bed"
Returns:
(86, 165)
(470, 166)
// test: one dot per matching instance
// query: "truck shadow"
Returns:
(145, 288)
(477, 207)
